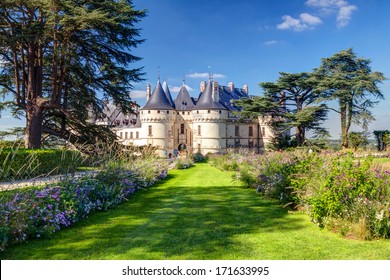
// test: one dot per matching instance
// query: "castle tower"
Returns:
(158, 118)
(209, 121)
(184, 136)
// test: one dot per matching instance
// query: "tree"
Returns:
(382, 138)
(357, 139)
(61, 58)
(349, 80)
(291, 102)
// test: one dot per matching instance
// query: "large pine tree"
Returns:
(349, 80)
(290, 102)
(60, 58)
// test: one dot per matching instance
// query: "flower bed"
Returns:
(39, 212)
(341, 192)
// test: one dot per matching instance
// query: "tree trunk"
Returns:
(344, 127)
(33, 126)
(300, 135)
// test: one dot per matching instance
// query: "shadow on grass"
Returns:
(165, 222)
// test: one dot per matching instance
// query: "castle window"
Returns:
(158, 111)
(188, 113)
(150, 130)
(126, 135)
(199, 130)
(208, 111)
(131, 135)
(236, 130)
(220, 111)
(263, 130)
(182, 128)
(149, 112)
(251, 131)
(197, 112)
(137, 135)
(121, 135)
(167, 112)
(183, 113)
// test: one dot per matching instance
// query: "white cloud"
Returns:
(345, 14)
(342, 8)
(204, 75)
(304, 22)
(138, 94)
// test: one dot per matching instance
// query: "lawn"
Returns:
(198, 213)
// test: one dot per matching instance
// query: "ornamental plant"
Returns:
(343, 193)
(42, 211)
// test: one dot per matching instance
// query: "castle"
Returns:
(205, 124)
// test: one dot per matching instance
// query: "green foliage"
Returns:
(383, 139)
(40, 212)
(26, 163)
(336, 189)
(357, 139)
(82, 50)
(288, 103)
(198, 213)
(348, 79)
(198, 157)
(183, 163)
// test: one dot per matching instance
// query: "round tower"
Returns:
(209, 121)
(158, 117)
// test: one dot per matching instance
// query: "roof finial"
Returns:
(210, 75)
(184, 80)
(158, 71)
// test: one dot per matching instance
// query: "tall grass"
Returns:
(346, 194)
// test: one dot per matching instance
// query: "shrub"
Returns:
(26, 163)
(41, 211)
(339, 191)
(198, 157)
(183, 163)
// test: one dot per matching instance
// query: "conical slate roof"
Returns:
(158, 100)
(168, 93)
(183, 100)
(206, 102)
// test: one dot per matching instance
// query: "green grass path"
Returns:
(198, 213)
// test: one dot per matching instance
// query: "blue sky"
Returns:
(251, 41)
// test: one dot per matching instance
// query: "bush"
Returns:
(26, 163)
(183, 163)
(198, 157)
(339, 191)
(40, 212)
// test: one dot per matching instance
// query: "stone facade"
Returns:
(206, 124)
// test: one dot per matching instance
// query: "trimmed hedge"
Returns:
(27, 163)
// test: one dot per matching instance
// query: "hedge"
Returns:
(27, 163)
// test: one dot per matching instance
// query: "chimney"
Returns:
(215, 91)
(245, 89)
(202, 86)
(148, 92)
(231, 86)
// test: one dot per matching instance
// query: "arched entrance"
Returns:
(182, 147)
